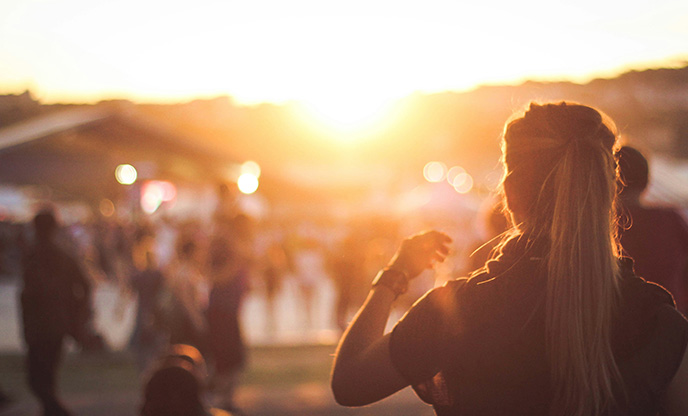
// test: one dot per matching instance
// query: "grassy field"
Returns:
(285, 380)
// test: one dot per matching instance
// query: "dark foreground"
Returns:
(278, 381)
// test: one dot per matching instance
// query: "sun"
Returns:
(347, 116)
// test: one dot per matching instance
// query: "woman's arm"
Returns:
(363, 372)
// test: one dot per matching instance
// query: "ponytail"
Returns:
(560, 185)
(582, 283)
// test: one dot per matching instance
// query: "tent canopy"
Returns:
(75, 152)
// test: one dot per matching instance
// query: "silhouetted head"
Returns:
(553, 149)
(173, 390)
(176, 384)
(633, 170)
(45, 225)
(193, 356)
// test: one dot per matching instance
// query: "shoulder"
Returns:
(639, 293)
(664, 215)
(442, 299)
(647, 314)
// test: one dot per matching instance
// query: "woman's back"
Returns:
(489, 344)
(558, 326)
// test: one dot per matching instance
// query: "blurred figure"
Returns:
(55, 302)
(190, 297)
(177, 386)
(347, 268)
(230, 260)
(148, 336)
(656, 238)
(273, 274)
(309, 270)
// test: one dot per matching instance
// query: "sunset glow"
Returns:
(346, 115)
(345, 61)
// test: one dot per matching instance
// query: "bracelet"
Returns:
(394, 279)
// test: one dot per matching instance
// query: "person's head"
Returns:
(173, 390)
(175, 385)
(560, 187)
(554, 153)
(45, 225)
(193, 356)
(633, 171)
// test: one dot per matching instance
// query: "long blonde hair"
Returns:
(559, 184)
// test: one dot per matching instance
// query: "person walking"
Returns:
(55, 303)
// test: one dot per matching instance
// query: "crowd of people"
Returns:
(547, 302)
(188, 281)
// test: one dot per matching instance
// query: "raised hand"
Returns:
(420, 252)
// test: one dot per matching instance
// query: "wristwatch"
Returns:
(394, 279)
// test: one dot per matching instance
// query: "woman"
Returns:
(557, 324)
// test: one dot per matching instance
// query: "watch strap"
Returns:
(394, 279)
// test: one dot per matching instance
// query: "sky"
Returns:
(336, 55)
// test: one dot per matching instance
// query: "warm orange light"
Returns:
(463, 183)
(169, 191)
(344, 114)
(434, 171)
(247, 183)
(126, 174)
(106, 207)
(251, 167)
(154, 193)
(453, 173)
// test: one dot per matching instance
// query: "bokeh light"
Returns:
(151, 197)
(106, 207)
(434, 171)
(453, 172)
(154, 193)
(169, 191)
(126, 174)
(463, 183)
(247, 183)
(251, 167)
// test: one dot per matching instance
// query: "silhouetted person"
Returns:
(55, 302)
(148, 336)
(275, 266)
(230, 260)
(556, 325)
(190, 294)
(347, 268)
(655, 237)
